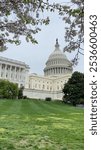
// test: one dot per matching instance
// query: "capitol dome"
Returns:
(57, 63)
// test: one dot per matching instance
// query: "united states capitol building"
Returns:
(57, 71)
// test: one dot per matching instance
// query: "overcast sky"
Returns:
(36, 55)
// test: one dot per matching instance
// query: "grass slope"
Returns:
(40, 125)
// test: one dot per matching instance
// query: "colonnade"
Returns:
(13, 72)
(54, 71)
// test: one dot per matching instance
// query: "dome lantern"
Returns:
(57, 45)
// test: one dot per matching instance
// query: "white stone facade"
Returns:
(57, 71)
(41, 95)
(14, 71)
(41, 87)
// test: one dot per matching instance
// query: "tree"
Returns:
(24, 17)
(20, 18)
(8, 89)
(74, 89)
(20, 93)
(74, 35)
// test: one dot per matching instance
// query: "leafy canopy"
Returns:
(74, 89)
(8, 89)
(25, 17)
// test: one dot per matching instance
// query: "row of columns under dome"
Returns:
(11, 72)
(53, 71)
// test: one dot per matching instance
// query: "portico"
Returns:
(13, 70)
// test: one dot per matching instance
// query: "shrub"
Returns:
(81, 101)
(25, 97)
(20, 93)
(48, 99)
(8, 89)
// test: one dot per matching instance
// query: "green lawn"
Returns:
(40, 125)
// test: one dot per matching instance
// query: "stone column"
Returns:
(52, 70)
(58, 70)
(9, 75)
(22, 74)
(55, 71)
(49, 71)
(30, 84)
(64, 70)
(5, 71)
(61, 70)
(14, 72)
(18, 73)
(10, 72)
